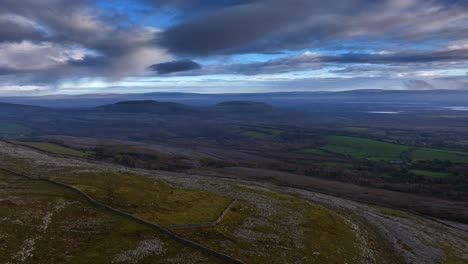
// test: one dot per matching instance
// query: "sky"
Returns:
(231, 46)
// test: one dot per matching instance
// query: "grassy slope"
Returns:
(149, 199)
(57, 226)
(256, 132)
(364, 148)
(54, 148)
(324, 236)
(315, 151)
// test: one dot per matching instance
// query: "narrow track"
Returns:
(205, 224)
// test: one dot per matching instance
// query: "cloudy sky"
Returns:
(229, 46)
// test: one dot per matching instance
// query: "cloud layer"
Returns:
(420, 44)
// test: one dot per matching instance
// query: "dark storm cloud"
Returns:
(175, 66)
(17, 29)
(229, 28)
(274, 25)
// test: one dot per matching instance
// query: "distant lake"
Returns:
(457, 108)
(384, 112)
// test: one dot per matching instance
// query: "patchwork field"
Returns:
(364, 148)
(256, 132)
(315, 151)
(439, 154)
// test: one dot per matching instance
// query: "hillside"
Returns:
(147, 106)
(290, 222)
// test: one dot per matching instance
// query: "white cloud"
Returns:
(27, 55)
(22, 88)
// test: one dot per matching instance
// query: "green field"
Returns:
(54, 148)
(439, 154)
(315, 151)
(356, 129)
(364, 148)
(152, 200)
(9, 129)
(256, 132)
(431, 174)
(44, 223)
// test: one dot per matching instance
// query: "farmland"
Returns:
(256, 132)
(315, 151)
(175, 169)
(439, 154)
(364, 148)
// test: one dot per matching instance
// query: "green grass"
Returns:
(152, 200)
(54, 148)
(256, 132)
(364, 148)
(270, 240)
(450, 257)
(9, 129)
(66, 229)
(431, 174)
(315, 151)
(427, 154)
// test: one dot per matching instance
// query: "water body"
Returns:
(457, 108)
(384, 112)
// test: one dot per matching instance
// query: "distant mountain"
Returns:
(148, 106)
(296, 100)
(12, 110)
